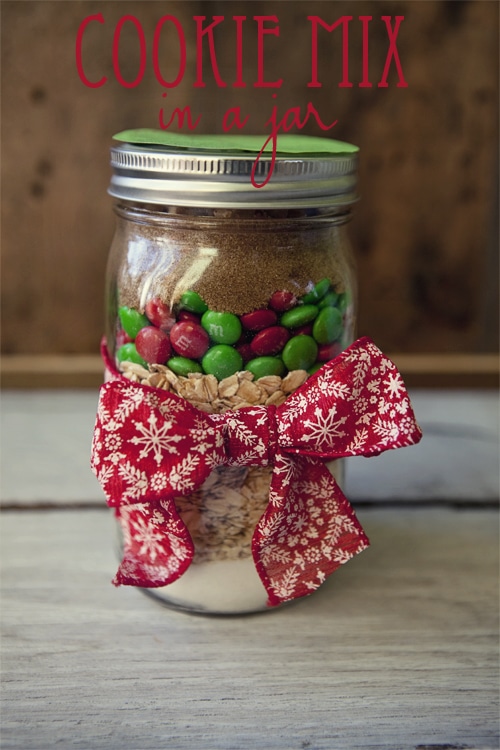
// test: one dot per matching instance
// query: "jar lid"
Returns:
(179, 169)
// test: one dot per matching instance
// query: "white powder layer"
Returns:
(217, 587)
(223, 586)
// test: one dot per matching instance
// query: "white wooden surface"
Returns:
(50, 432)
(397, 651)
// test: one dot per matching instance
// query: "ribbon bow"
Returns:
(150, 446)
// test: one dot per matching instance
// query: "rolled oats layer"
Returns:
(222, 515)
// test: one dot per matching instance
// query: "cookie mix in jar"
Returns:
(230, 317)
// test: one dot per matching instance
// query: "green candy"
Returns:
(222, 327)
(317, 293)
(193, 302)
(183, 366)
(312, 370)
(132, 321)
(328, 325)
(299, 316)
(329, 300)
(262, 366)
(344, 302)
(222, 361)
(128, 353)
(300, 352)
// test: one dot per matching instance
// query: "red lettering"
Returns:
(181, 114)
(344, 22)
(232, 119)
(295, 112)
(116, 48)
(365, 82)
(392, 53)
(311, 110)
(182, 52)
(78, 50)
(286, 125)
(200, 33)
(274, 138)
(239, 83)
(260, 50)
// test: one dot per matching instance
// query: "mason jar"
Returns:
(229, 296)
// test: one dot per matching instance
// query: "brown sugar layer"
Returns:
(234, 269)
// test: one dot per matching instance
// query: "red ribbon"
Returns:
(151, 446)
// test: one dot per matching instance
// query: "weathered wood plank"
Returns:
(425, 231)
(397, 651)
(457, 460)
(85, 370)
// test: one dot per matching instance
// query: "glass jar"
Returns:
(227, 295)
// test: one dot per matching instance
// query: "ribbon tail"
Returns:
(157, 547)
(307, 531)
(144, 455)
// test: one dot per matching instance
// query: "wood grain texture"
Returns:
(46, 438)
(57, 217)
(397, 651)
(425, 232)
(85, 370)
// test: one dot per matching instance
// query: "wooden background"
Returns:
(425, 232)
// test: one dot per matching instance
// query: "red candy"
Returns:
(122, 338)
(258, 319)
(245, 351)
(282, 301)
(243, 339)
(269, 341)
(186, 315)
(159, 314)
(304, 330)
(326, 352)
(153, 345)
(189, 339)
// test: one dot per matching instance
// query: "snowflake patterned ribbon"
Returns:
(150, 446)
